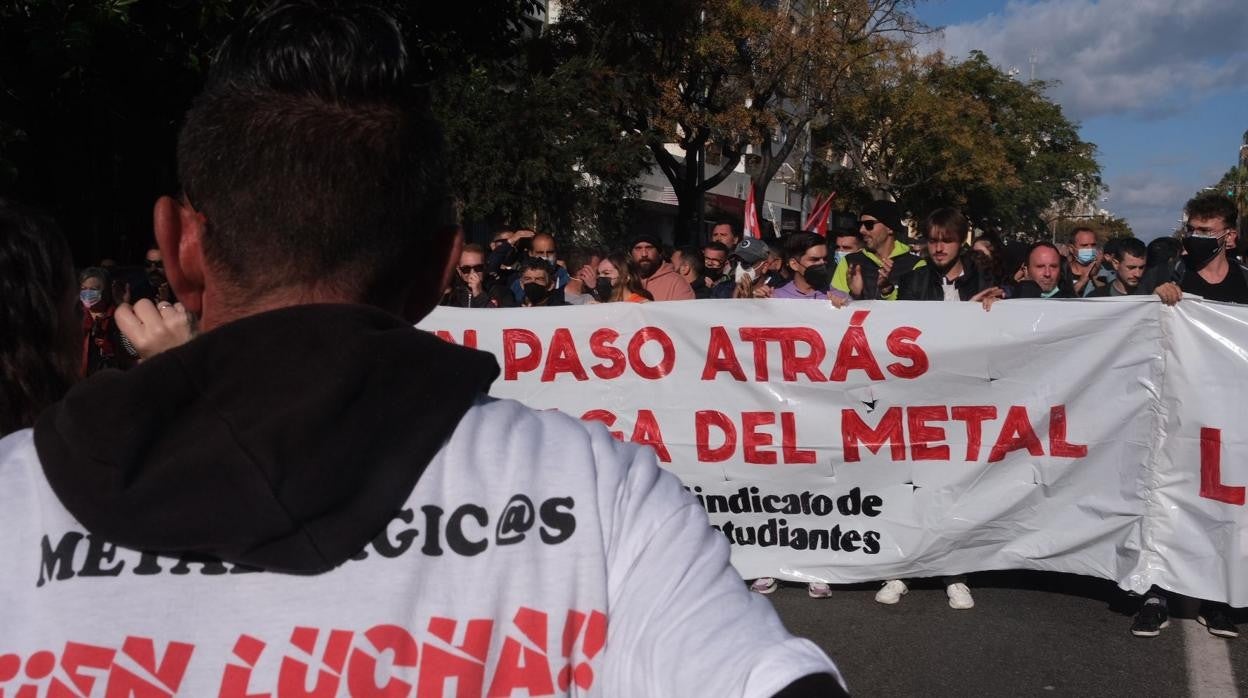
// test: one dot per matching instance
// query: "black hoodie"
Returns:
(285, 440)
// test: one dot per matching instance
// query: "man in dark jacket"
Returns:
(949, 273)
(1045, 274)
(872, 273)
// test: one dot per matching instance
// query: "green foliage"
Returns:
(932, 132)
(92, 93)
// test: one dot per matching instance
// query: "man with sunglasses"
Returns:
(471, 288)
(1204, 269)
(871, 273)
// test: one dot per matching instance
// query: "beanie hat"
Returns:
(888, 213)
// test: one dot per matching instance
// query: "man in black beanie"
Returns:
(871, 273)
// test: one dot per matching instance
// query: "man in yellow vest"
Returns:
(871, 273)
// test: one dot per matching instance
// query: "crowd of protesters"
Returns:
(123, 314)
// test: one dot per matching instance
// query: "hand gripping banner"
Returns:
(888, 440)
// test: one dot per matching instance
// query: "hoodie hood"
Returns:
(284, 441)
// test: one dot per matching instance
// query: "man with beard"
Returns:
(1128, 261)
(658, 277)
(871, 274)
(949, 272)
(1203, 269)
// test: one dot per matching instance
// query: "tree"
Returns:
(932, 132)
(92, 94)
(688, 75)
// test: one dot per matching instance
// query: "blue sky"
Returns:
(1161, 86)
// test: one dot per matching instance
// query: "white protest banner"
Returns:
(890, 440)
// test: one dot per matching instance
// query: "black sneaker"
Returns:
(1150, 619)
(1217, 621)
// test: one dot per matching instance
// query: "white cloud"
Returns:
(1144, 57)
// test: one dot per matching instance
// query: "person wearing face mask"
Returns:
(102, 343)
(538, 283)
(749, 261)
(1085, 262)
(543, 248)
(1046, 277)
(806, 258)
(949, 272)
(1203, 268)
(620, 280)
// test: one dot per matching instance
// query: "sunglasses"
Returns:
(868, 224)
(469, 268)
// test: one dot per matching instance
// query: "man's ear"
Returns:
(179, 235)
(423, 295)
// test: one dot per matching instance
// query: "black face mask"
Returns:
(1201, 251)
(535, 293)
(603, 288)
(818, 276)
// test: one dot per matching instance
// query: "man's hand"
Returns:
(837, 300)
(587, 277)
(987, 297)
(882, 283)
(762, 290)
(856, 284)
(152, 329)
(1170, 293)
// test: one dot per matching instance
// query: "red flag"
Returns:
(752, 228)
(818, 220)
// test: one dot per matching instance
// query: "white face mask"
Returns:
(744, 272)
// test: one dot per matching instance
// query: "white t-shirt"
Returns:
(536, 556)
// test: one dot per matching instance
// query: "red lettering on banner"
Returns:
(1016, 434)
(606, 417)
(1058, 446)
(791, 362)
(646, 431)
(639, 340)
(758, 338)
(513, 363)
(901, 344)
(752, 440)
(974, 416)
(562, 358)
(292, 676)
(235, 680)
(470, 338)
(854, 431)
(854, 353)
(362, 667)
(441, 664)
(703, 421)
(601, 345)
(922, 434)
(721, 357)
(788, 441)
(520, 666)
(1211, 485)
(169, 671)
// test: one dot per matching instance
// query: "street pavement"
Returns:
(1030, 634)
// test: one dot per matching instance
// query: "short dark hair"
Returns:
(1162, 251)
(312, 156)
(948, 219)
(536, 264)
(39, 341)
(473, 247)
(796, 244)
(1130, 246)
(717, 246)
(577, 257)
(1037, 245)
(691, 256)
(843, 233)
(1212, 205)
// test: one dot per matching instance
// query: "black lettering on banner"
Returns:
(212, 566)
(455, 537)
(557, 514)
(516, 520)
(148, 564)
(58, 563)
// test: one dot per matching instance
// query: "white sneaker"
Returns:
(764, 585)
(891, 592)
(959, 596)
